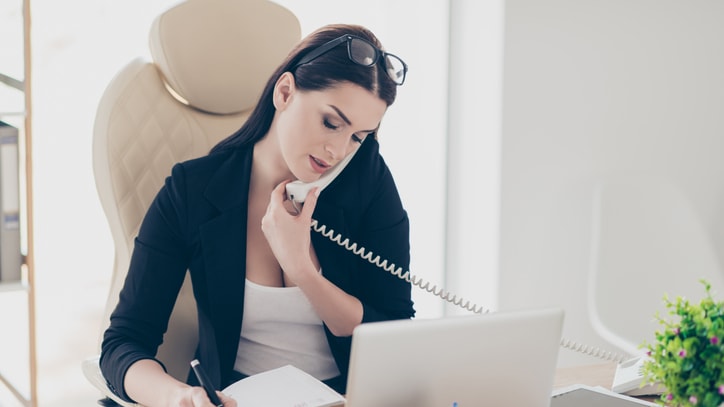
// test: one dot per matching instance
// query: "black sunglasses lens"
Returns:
(365, 54)
(395, 68)
(362, 52)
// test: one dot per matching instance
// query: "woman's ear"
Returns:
(283, 90)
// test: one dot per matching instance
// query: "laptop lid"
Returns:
(498, 359)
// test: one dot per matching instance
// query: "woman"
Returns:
(225, 217)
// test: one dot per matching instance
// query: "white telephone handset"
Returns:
(628, 376)
(297, 190)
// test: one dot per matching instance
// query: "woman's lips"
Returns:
(318, 165)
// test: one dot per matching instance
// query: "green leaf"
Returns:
(683, 356)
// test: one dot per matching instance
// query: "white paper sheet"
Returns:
(286, 386)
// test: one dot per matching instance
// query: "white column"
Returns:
(473, 157)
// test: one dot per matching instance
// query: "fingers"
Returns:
(195, 396)
(279, 192)
(199, 398)
(228, 401)
(278, 197)
(310, 203)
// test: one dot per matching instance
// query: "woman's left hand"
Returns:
(288, 233)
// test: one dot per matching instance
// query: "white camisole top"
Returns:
(280, 327)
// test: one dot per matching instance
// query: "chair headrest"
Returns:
(218, 54)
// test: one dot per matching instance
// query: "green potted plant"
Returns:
(687, 357)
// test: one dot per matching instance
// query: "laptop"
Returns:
(499, 359)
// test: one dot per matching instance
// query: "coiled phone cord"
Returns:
(444, 294)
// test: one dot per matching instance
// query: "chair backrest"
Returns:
(210, 61)
(648, 240)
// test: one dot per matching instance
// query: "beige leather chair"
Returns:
(210, 61)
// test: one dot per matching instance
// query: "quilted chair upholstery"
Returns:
(210, 61)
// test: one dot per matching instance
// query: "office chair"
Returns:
(647, 241)
(210, 60)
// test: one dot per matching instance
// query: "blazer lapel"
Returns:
(224, 249)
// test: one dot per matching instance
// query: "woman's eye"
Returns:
(356, 138)
(329, 125)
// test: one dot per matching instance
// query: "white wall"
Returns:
(596, 89)
(473, 156)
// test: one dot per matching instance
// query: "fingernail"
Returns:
(317, 191)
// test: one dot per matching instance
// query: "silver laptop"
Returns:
(499, 359)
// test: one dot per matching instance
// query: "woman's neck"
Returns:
(268, 167)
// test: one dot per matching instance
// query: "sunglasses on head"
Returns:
(361, 52)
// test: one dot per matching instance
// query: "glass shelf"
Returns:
(12, 101)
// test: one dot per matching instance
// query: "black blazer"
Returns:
(197, 222)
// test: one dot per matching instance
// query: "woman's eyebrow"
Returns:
(344, 117)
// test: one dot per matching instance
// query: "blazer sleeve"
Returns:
(157, 269)
(384, 230)
(369, 212)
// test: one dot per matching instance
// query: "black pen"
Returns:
(205, 382)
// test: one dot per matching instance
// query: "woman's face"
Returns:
(317, 129)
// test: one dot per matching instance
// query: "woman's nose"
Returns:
(337, 148)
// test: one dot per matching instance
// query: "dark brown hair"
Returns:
(324, 72)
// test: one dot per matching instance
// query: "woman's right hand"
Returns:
(288, 233)
(196, 397)
(148, 384)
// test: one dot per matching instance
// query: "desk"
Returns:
(590, 375)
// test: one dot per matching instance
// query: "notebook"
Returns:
(500, 359)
